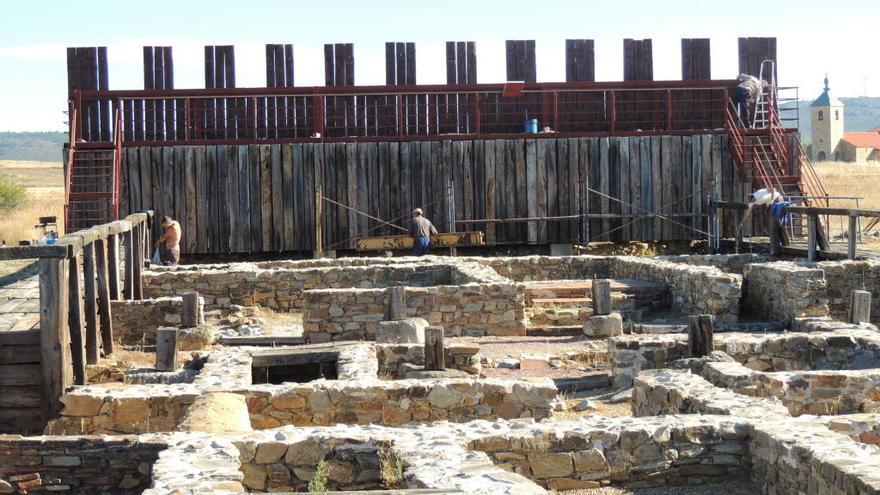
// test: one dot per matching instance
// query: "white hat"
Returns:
(417, 211)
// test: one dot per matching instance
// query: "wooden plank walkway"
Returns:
(20, 305)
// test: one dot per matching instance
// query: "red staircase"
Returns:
(770, 157)
(93, 182)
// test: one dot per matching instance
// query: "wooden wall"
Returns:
(260, 198)
(21, 383)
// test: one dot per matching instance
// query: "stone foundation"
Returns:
(784, 291)
(459, 356)
(135, 322)
(843, 277)
(76, 465)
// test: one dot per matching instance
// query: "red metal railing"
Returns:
(246, 115)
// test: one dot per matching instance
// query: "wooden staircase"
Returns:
(92, 181)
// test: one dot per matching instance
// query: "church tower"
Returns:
(826, 117)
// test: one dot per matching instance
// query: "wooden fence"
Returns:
(261, 198)
(79, 276)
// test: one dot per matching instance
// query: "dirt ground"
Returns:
(735, 487)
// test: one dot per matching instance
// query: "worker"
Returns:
(766, 197)
(745, 94)
(421, 229)
(169, 242)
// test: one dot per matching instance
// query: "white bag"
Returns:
(156, 259)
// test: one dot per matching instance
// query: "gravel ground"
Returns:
(738, 487)
(500, 347)
(601, 407)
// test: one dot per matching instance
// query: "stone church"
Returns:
(830, 142)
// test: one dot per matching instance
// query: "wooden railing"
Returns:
(79, 276)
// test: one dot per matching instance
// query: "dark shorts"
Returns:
(170, 256)
(421, 246)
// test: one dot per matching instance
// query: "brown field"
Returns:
(852, 179)
(45, 186)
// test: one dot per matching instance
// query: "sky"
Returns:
(814, 38)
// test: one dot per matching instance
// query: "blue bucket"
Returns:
(531, 126)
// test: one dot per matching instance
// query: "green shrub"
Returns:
(318, 484)
(12, 195)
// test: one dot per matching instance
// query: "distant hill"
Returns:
(860, 114)
(34, 146)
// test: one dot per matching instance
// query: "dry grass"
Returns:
(45, 187)
(851, 179)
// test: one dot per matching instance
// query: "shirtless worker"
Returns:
(421, 229)
(169, 242)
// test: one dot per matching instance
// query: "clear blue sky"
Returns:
(814, 37)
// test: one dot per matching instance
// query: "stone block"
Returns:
(408, 331)
(604, 325)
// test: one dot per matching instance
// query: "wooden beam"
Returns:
(396, 303)
(435, 359)
(104, 296)
(113, 266)
(93, 342)
(812, 236)
(851, 237)
(137, 262)
(400, 242)
(75, 321)
(54, 333)
(190, 314)
(128, 277)
(860, 307)
(700, 335)
(601, 296)
(33, 252)
(166, 348)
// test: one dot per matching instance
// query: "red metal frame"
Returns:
(411, 112)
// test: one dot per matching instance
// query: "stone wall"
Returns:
(729, 263)
(289, 466)
(696, 289)
(459, 356)
(784, 291)
(843, 277)
(539, 268)
(76, 465)
(470, 309)
(645, 454)
(358, 397)
(249, 284)
(135, 322)
(630, 354)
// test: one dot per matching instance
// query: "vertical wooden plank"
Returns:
(190, 233)
(657, 177)
(467, 167)
(541, 188)
(647, 186)
(635, 188)
(573, 186)
(75, 322)
(580, 63)
(604, 186)
(256, 198)
(511, 189)
(54, 333)
(105, 317)
(624, 184)
(113, 266)
(201, 228)
(500, 187)
(92, 338)
(137, 261)
(299, 199)
(232, 202)
(532, 188)
(552, 192)
(584, 151)
(489, 161)
(277, 185)
(288, 198)
(696, 177)
(562, 188)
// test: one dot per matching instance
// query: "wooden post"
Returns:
(738, 235)
(190, 316)
(54, 333)
(396, 303)
(851, 236)
(812, 225)
(91, 294)
(860, 307)
(128, 278)
(75, 321)
(113, 265)
(319, 215)
(601, 294)
(166, 349)
(104, 295)
(775, 241)
(700, 335)
(435, 360)
(137, 262)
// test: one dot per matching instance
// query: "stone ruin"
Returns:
(788, 401)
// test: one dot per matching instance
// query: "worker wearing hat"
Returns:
(421, 229)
